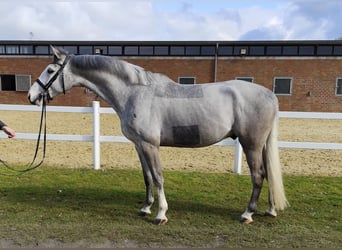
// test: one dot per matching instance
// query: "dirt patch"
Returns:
(123, 155)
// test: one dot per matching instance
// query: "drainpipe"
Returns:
(215, 67)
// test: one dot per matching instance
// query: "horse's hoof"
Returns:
(143, 214)
(245, 220)
(270, 213)
(159, 222)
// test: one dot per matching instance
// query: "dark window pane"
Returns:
(240, 50)
(247, 79)
(306, 50)
(12, 49)
(324, 50)
(131, 50)
(26, 49)
(102, 50)
(71, 49)
(86, 50)
(2, 49)
(42, 50)
(146, 50)
(115, 50)
(177, 51)
(256, 50)
(339, 86)
(161, 50)
(282, 86)
(186, 80)
(193, 50)
(290, 50)
(8, 82)
(273, 50)
(225, 51)
(208, 50)
(337, 50)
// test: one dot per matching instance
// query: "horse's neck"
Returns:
(111, 89)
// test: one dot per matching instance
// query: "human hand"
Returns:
(10, 132)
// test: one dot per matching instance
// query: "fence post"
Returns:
(96, 135)
(237, 157)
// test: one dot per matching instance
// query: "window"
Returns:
(102, 50)
(26, 49)
(2, 49)
(193, 50)
(71, 49)
(86, 50)
(186, 80)
(22, 82)
(324, 50)
(337, 50)
(240, 50)
(177, 51)
(12, 49)
(306, 50)
(245, 78)
(290, 51)
(7, 82)
(273, 50)
(282, 85)
(15, 82)
(146, 50)
(161, 50)
(131, 50)
(42, 50)
(208, 50)
(256, 51)
(225, 51)
(338, 89)
(115, 50)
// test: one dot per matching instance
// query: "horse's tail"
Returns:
(274, 175)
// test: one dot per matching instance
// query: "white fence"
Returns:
(97, 138)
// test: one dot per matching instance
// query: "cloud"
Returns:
(170, 20)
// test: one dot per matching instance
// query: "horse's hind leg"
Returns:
(149, 156)
(146, 210)
(255, 163)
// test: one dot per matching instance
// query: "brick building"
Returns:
(305, 75)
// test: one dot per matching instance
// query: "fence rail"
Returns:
(97, 138)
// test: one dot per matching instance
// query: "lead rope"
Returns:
(31, 166)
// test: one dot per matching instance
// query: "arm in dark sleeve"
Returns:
(2, 124)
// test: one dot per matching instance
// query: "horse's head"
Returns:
(51, 81)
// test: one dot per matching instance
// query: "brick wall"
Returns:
(313, 86)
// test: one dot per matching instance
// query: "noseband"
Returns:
(54, 77)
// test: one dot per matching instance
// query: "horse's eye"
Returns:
(50, 71)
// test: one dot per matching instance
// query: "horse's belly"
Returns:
(190, 136)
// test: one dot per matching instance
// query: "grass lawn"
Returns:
(90, 207)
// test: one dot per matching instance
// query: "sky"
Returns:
(171, 20)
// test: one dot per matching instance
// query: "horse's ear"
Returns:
(58, 52)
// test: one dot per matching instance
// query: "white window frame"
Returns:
(338, 82)
(187, 77)
(282, 78)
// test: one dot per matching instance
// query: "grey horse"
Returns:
(155, 111)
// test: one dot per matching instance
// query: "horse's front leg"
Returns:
(149, 156)
(146, 210)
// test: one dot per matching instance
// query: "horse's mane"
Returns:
(129, 73)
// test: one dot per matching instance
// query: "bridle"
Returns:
(45, 97)
(59, 72)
